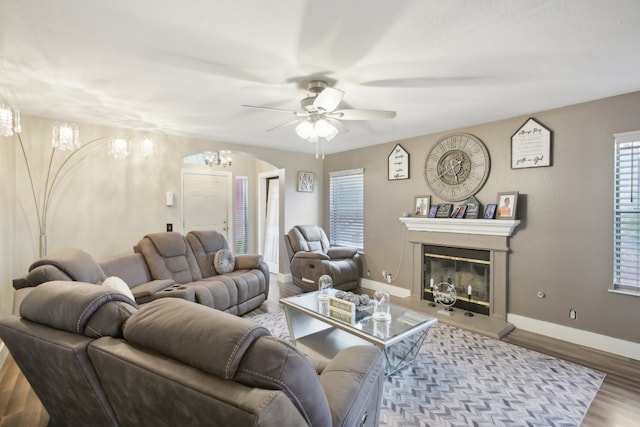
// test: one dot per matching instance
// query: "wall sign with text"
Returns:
(531, 146)
(398, 164)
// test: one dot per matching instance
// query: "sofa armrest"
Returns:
(311, 255)
(353, 383)
(147, 289)
(338, 252)
(247, 262)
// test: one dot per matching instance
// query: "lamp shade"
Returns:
(306, 130)
(66, 136)
(147, 147)
(119, 148)
(9, 120)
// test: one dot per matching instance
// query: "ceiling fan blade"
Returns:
(289, 123)
(363, 114)
(281, 110)
(328, 100)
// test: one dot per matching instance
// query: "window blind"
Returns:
(346, 208)
(240, 216)
(626, 266)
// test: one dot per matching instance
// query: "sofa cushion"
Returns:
(73, 263)
(205, 244)
(131, 268)
(224, 261)
(168, 256)
(275, 364)
(80, 308)
(200, 336)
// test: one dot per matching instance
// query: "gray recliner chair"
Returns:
(311, 256)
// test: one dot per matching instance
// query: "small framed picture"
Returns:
(507, 204)
(444, 210)
(433, 210)
(490, 211)
(306, 181)
(459, 212)
(421, 205)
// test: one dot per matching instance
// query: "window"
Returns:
(626, 244)
(240, 216)
(346, 208)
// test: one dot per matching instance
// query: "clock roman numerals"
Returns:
(457, 167)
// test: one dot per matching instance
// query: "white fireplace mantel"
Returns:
(487, 227)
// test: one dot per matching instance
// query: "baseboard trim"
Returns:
(577, 336)
(284, 278)
(393, 290)
(4, 352)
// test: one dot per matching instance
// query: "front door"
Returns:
(206, 204)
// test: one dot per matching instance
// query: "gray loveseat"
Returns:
(94, 357)
(166, 265)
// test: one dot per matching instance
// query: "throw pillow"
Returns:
(118, 285)
(223, 261)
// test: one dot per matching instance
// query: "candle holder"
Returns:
(468, 313)
(433, 294)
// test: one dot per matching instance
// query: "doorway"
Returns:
(269, 208)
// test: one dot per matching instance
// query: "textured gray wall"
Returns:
(563, 246)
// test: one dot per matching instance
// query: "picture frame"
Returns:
(433, 211)
(507, 204)
(306, 182)
(459, 212)
(444, 210)
(398, 164)
(421, 205)
(490, 211)
(531, 146)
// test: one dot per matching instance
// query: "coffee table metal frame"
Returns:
(400, 338)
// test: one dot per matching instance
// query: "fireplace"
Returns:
(463, 268)
(475, 235)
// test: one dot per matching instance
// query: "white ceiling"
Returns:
(187, 67)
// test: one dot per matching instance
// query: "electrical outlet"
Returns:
(389, 278)
(169, 227)
(573, 314)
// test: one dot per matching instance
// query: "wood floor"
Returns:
(617, 403)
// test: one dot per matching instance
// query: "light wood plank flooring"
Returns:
(617, 403)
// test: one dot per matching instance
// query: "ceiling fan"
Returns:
(319, 119)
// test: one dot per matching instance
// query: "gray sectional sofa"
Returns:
(95, 357)
(165, 265)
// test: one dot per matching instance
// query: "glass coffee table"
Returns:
(314, 332)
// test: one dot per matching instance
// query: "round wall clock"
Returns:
(457, 167)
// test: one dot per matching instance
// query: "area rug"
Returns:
(460, 378)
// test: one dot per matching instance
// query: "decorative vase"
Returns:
(382, 306)
(325, 284)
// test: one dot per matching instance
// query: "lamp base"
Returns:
(43, 245)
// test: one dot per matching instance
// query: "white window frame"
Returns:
(241, 215)
(626, 214)
(346, 223)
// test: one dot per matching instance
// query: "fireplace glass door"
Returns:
(463, 268)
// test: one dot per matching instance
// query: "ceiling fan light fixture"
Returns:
(311, 130)
(325, 130)
(306, 130)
